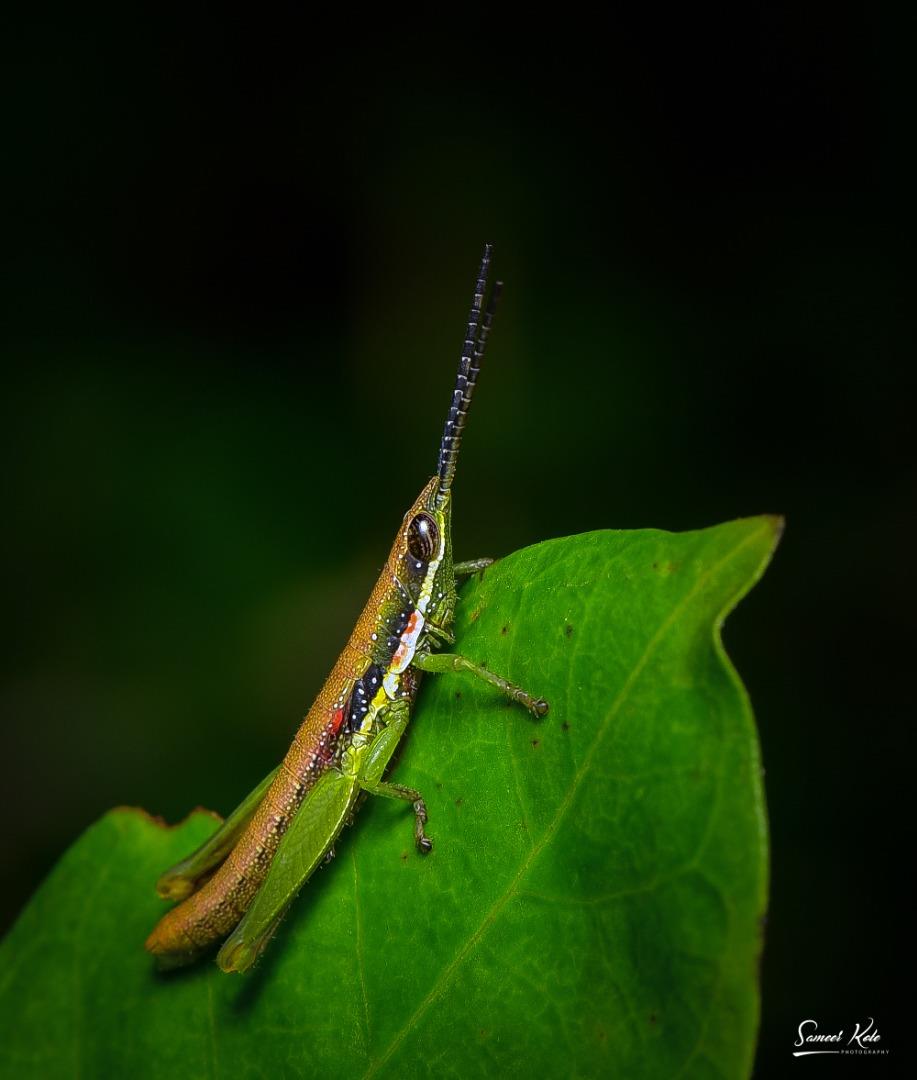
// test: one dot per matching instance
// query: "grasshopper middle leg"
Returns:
(396, 721)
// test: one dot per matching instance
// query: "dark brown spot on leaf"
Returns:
(568, 630)
(504, 630)
(535, 742)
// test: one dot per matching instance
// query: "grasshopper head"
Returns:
(424, 544)
(424, 554)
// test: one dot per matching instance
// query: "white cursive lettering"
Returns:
(867, 1035)
(802, 1039)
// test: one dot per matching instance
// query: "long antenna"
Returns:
(469, 366)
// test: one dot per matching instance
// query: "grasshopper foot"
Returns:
(423, 842)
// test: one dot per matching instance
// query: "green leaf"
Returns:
(592, 906)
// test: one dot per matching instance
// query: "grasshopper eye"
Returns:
(423, 538)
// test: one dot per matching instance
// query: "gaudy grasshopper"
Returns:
(241, 881)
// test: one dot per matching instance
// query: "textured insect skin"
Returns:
(349, 734)
(334, 734)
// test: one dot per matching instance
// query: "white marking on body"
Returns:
(410, 636)
(404, 654)
(390, 685)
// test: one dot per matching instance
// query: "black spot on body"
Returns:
(363, 691)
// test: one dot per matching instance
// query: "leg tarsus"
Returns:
(406, 794)
(423, 842)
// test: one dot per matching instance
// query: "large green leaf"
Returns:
(592, 906)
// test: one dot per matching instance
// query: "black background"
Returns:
(238, 257)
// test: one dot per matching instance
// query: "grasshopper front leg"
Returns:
(471, 566)
(441, 663)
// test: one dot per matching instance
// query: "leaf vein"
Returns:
(508, 728)
(361, 959)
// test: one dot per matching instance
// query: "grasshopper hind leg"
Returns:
(187, 876)
(303, 848)
(243, 947)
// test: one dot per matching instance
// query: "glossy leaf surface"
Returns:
(592, 906)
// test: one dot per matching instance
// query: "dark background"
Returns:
(238, 257)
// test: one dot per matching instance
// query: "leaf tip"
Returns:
(777, 523)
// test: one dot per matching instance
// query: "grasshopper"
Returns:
(241, 881)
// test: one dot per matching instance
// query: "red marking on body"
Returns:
(337, 719)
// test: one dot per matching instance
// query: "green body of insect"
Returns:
(241, 881)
